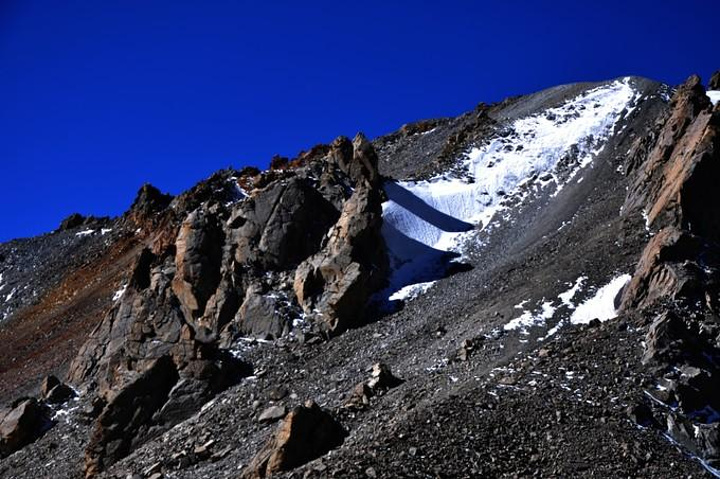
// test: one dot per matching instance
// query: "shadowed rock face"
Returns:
(337, 282)
(281, 225)
(714, 83)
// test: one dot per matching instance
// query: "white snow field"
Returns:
(425, 222)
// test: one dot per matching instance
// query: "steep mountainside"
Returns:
(529, 289)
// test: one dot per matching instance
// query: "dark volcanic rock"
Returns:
(72, 221)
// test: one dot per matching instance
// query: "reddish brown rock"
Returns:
(22, 425)
(663, 272)
(306, 433)
(127, 416)
(678, 178)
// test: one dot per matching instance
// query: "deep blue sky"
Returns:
(99, 96)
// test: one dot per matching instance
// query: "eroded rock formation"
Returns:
(303, 237)
(677, 280)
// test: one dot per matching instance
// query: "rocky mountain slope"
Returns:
(529, 289)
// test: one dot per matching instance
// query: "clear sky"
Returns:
(100, 96)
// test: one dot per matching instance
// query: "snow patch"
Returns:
(602, 304)
(530, 318)
(426, 220)
(568, 295)
(104, 231)
(714, 96)
(119, 293)
(411, 291)
(84, 233)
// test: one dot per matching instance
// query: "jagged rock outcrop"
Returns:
(77, 220)
(306, 433)
(676, 181)
(149, 200)
(215, 270)
(677, 280)
(334, 284)
(714, 83)
(674, 187)
(72, 221)
(197, 262)
(281, 225)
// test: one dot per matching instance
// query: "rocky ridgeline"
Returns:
(295, 254)
(677, 282)
(230, 269)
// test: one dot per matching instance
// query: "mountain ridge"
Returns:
(204, 270)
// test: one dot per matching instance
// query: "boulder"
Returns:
(55, 392)
(306, 433)
(27, 421)
(48, 383)
(272, 414)
(381, 379)
(126, 418)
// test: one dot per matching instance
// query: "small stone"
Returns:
(277, 393)
(370, 472)
(272, 414)
(153, 469)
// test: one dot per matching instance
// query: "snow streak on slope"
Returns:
(424, 220)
